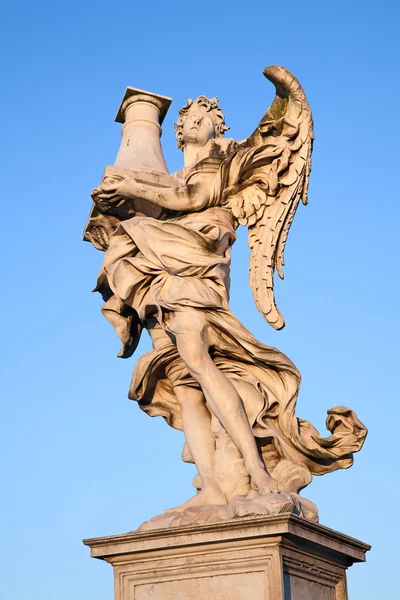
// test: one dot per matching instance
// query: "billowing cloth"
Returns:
(158, 266)
(271, 410)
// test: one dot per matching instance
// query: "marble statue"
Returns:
(167, 240)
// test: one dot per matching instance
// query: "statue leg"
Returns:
(193, 339)
(196, 419)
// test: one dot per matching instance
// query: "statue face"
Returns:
(198, 127)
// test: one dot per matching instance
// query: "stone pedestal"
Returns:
(270, 558)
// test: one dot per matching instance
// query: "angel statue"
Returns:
(233, 396)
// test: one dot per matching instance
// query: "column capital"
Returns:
(137, 95)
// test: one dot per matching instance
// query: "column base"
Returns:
(282, 557)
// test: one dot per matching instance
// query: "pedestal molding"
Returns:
(134, 541)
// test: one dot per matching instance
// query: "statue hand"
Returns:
(112, 190)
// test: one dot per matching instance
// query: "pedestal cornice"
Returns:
(282, 525)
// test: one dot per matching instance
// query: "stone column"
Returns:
(142, 114)
(270, 558)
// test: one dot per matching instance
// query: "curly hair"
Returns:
(207, 104)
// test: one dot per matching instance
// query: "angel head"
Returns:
(199, 121)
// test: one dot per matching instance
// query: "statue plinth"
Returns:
(274, 558)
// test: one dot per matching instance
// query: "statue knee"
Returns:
(190, 330)
(189, 398)
(194, 354)
(188, 323)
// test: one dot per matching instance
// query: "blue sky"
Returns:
(80, 460)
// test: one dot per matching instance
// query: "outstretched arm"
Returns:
(191, 197)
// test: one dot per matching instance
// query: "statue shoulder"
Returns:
(222, 147)
(212, 154)
(207, 162)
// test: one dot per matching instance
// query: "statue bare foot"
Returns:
(264, 482)
(205, 497)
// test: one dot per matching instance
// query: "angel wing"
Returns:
(272, 169)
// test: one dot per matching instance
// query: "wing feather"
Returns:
(277, 159)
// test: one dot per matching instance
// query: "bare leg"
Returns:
(196, 421)
(190, 329)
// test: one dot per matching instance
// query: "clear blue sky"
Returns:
(80, 460)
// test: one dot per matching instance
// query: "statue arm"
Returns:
(188, 197)
(191, 197)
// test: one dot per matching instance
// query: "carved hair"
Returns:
(208, 105)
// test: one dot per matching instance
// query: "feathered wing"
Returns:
(273, 167)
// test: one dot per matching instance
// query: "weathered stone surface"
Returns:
(275, 558)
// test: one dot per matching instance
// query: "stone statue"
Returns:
(167, 241)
